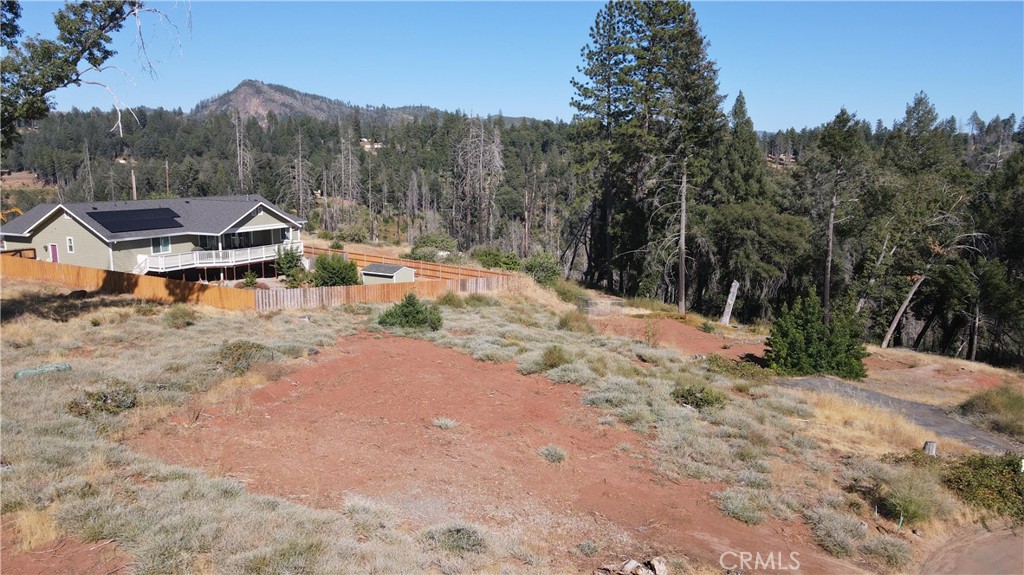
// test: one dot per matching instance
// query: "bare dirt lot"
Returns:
(360, 422)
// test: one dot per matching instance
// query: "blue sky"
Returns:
(797, 63)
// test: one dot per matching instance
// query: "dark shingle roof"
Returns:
(382, 269)
(210, 215)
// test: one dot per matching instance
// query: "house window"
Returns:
(208, 242)
(162, 245)
(71, 245)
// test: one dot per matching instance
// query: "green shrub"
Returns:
(552, 453)
(707, 327)
(337, 244)
(801, 344)
(411, 312)
(335, 270)
(569, 291)
(576, 321)
(119, 397)
(451, 299)
(480, 300)
(1000, 409)
(457, 539)
(355, 233)
(913, 495)
(745, 370)
(698, 396)
(288, 261)
(544, 268)
(250, 280)
(992, 482)
(587, 548)
(554, 356)
(493, 258)
(237, 357)
(180, 316)
(428, 247)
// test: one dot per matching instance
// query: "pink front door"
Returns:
(53, 253)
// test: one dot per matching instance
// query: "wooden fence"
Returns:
(143, 287)
(301, 298)
(455, 279)
(426, 270)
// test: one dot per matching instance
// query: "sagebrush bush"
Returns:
(552, 453)
(801, 344)
(236, 357)
(411, 312)
(834, 531)
(180, 316)
(554, 356)
(458, 539)
(335, 270)
(888, 550)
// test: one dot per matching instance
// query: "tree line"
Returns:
(653, 190)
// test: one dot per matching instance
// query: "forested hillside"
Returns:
(917, 226)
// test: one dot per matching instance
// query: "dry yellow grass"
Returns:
(853, 427)
(33, 528)
(523, 287)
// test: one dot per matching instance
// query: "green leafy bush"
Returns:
(698, 396)
(429, 247)
(544, 268)
(991, 482)
(493, 258)
(707, 327)
(801, 344)
(411, 312)
(335, 270)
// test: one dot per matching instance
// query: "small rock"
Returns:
(312, 351)
(78, 294)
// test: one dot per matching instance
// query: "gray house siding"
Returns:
(89, 250)
(263, 220)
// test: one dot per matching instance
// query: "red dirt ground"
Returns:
(359, 422)
(65, 555)
(679, 336)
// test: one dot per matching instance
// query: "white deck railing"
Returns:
(216, 258)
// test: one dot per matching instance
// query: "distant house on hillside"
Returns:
(171, 236)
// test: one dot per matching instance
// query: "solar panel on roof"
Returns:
(118, 221)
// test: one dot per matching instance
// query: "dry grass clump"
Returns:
(444, 423)
(552, 453)
(888, 550)
(1000, 409)
(750, 505)
(34, 527)
(575, 321)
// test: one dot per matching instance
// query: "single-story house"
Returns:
(387, 274)
(156, 236)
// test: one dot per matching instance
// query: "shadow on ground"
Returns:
(60, 307)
